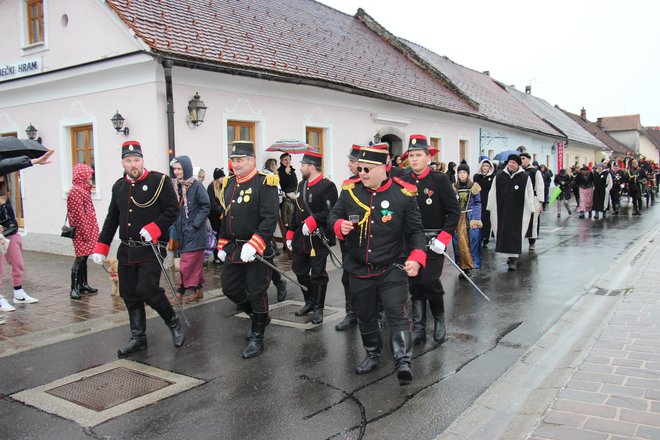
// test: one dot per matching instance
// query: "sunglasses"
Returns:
(365, 169)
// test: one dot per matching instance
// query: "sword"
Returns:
(463, 273)
(333, 256)
(277, 269)
(169, 280)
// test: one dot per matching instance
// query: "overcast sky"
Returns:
(602, 55)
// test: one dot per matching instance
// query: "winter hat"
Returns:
(515, 158)
(463, 167)
(600, 164)
(525, 155)
(218, 173)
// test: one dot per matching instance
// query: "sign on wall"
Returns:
(560, 156)
(20, 69)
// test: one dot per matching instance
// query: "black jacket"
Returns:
(288, 182)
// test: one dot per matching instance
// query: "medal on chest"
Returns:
(429, 193)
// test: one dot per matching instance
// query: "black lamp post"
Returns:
(31, 132)
(118, 124)
(196, 111)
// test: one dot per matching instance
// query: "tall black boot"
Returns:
(350, 320)
(75, 279)
(419, 321)
(84, 287)
(138, 322)
(373, 344)
(256, 345)
(402, 347)
(319, 303)
(281, 290)
(309, 300)
(165, 310)
(439, 329)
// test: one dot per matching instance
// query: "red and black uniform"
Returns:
(251, 206)
(440, 215)
(314, 200)
(150, 203)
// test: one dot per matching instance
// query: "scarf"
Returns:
(184, 185)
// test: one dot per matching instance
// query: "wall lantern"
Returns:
(31, 132)
(118, 124)
(196, 111)
(553, 150)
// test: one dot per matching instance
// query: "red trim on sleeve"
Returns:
(337, 229)
(419, 256)
(289, 235)
(221, 243)
(101, 248)
(258, 243)
(153, 230)
(444, 237)
(311, 223)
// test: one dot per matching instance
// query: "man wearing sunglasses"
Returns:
(440, 214)
(375, 217)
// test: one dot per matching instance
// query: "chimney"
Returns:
(583, 114)
(487, 72)
(599, 122)
(528, 90)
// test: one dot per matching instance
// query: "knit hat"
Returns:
(463, 167)
(218, 173)
(515, 158)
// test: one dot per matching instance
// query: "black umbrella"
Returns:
(14, 147)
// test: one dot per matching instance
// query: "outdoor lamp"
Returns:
(118, 124)
(196, 111)
(31, 132)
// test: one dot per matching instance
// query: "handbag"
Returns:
(67, 230)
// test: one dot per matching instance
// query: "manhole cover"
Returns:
(287, 313)
(108, 389)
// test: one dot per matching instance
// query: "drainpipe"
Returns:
(167, 67)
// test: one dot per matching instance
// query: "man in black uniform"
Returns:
(350, 320)
(250, 202)
(315, 196)
(618, 178)
(143, 206)
(386, 217)
(440, 214)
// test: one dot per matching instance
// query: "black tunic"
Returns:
(321, 196)
(510, 202)
(148, 202)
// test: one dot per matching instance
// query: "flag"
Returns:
(554, 195)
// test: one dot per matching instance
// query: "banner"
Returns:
(560, 156)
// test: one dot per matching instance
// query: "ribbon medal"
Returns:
(387, 215)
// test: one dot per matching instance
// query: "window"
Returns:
(239, 131)
(35, 21)
(14, 190)
(491, 153)
(82, 147)
(547, 161)
(435, 143)
(462, 147)
(314, 138)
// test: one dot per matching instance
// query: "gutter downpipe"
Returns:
(167, 68)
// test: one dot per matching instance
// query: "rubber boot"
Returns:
(309, 301)
(75, 280)
(256, 345)
(319, 304)
(281, 290)
(402, 347)
(137, 319)
(373, 344)
(350, 320)
(439, 328)
(419, 321)
(84, 286)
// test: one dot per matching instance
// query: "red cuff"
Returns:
(101, 248)
(419, 256)
(258, 243)
(289, 235)
(444, 237)
(311, 223)
(153, 230)
(337, 229)
(221, 243)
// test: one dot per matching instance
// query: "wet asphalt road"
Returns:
(303, 386)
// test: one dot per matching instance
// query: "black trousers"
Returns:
(636, 197)
(310, 270)
(391, 289)
(427, 285)
(615, 196)
(247, 282)
(139, 284)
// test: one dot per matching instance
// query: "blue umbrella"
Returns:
(504, 155)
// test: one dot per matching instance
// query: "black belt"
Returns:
(383, 265)
(136, 243)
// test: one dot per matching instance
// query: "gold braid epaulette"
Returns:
(407, 188)
(225, 182)
(348, 186)
(271, 179)
(154, 198)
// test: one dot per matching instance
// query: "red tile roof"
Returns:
(653, 133)
(291, 39)
(620, 123)
(592, 127)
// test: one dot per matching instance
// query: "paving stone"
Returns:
(627, 402)
(567, 433)
(584, 408)
(583, 396)
(642, 417)
(622, 390)
(647, 432)
(610, 426)
(598, 377)
(565, 418)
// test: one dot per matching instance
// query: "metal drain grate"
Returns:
(108, 389)
(286, 313)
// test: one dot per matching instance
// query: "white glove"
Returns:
(437, 246)
(248, 253)
(289, 244)
(222, 255)
(145, 234)
(305, 230)
(98, 258)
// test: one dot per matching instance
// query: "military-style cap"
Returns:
(313, 158)
(527, 155)
(131, 148)
(242, 149)
(355, 152)
(418, 142)
(374, 156)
